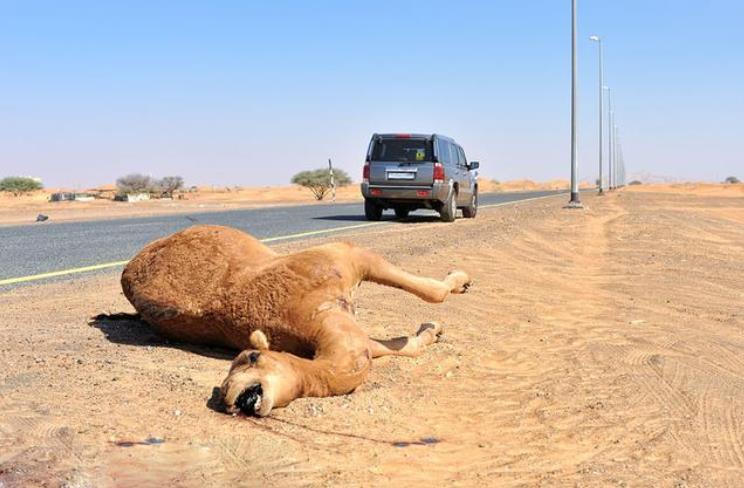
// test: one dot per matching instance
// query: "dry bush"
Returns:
(318, 181)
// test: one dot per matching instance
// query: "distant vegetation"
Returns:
(732, 180)
(139, 183)
(19, 185)
(134, 183)
(636, 182)
(169, 184)
(318, 181)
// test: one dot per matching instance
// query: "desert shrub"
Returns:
(169, 184)
(635, 182)
(318, 181)
(732, 180)
(135, 183)
(18, 185)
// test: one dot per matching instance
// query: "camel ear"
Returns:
(259, 341)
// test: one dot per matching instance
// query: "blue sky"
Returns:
(248, 93)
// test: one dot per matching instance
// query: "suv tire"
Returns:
(401, 212)
(471, 210)
(449, 208)
(371, 210)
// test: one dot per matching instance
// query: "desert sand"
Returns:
(24, 209)
(598, 347)
(693, 188)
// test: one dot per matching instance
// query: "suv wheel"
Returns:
(472, 209)
(402, 212)
(449, 208)
(371, 210)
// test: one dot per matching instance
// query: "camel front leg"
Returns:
(410, 346)
(378, 270)
(260, 380)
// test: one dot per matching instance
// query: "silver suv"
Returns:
(410, 171)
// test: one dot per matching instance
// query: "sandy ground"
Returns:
(25, 209)
(602, 347)
(698, 189)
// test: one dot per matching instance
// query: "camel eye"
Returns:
(253, 357)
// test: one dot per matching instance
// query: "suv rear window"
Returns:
(402, 150)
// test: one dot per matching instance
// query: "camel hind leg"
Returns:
(378, 270)
(410, 346)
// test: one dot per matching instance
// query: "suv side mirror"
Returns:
(473, 165)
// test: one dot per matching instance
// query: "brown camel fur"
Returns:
(291, 315)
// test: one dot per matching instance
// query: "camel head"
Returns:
(259, 380)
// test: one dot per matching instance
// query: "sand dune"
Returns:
(703, 189)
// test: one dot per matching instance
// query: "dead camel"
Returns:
(291, 315)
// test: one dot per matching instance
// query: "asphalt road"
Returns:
(30, 250)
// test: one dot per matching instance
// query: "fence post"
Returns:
(333, 181)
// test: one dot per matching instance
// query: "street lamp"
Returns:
(574, 202)
(618, 159)
(598, 40)
(611, 162)
(615, 168)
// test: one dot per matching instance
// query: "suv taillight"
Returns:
(438, 172)
(365, 173)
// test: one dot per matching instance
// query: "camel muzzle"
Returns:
(249, 402)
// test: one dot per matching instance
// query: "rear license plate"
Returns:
(401, 175)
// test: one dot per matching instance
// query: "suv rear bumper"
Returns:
(436, 192)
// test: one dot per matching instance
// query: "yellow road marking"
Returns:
(321, 231)
(520, 201)
(52, 274)
(113, 264)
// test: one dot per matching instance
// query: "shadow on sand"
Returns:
(130, 329)
(411, 219)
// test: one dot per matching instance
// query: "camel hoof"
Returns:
(433, 328)
(462, 281)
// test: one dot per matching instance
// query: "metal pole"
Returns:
(574, 201)
(619, 183)
(614, 156)
(611, 139)
(601, 108)
(333, 181)
(621, 166)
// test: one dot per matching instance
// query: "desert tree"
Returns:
(732, 180)
(318, 181)
(134, 183)
(19, 185)
(169, 184)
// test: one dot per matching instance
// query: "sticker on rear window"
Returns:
(420, 155)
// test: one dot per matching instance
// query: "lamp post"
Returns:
(614, 153)
(598, 40)
(611, 161)
(574, 202)
(618, 159)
